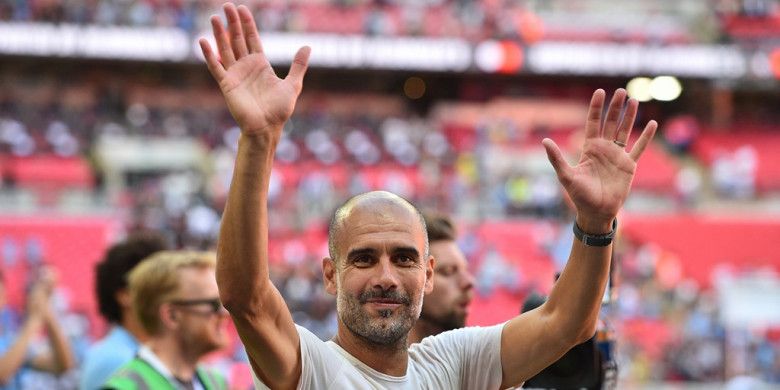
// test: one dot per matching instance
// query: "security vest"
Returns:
(140, 375)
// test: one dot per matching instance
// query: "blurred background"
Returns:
(110, 123)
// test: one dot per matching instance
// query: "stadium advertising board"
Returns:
(399, 53)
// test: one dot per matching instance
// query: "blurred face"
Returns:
(381, 274)
(199, 315)
(447, 305)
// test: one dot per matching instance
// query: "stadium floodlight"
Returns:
(665, 88)
(639, 88)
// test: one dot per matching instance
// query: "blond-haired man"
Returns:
(175, 298)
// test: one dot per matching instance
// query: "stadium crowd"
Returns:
(346, 153)
(330, 152)
(474, 20)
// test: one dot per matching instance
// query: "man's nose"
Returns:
(466, 279)
(386, 275)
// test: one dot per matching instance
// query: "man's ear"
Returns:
(429, 274)
(329, 275)
(168, 316)
(123, 298)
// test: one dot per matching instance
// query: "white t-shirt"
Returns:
(467, 358)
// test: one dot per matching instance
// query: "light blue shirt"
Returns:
(106, 356)
(8, 333)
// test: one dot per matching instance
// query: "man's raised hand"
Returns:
(259, 101)
(599, 184)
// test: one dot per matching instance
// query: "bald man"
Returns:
(379, 266)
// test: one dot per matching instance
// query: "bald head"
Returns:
(382, 203)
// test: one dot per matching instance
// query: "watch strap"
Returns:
(595, 239)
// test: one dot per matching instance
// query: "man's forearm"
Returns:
(242, 265)
(576, 297)
(13, 358)
(61, 351)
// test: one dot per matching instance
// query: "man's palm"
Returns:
(599, 184)
(256, 97)
(258, 100)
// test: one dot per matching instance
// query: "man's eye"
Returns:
(362, 261)
(446, 271)
(404, 259)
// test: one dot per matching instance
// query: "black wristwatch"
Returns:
(595, 239)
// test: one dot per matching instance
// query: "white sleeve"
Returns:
(320, 365)
(467, 358)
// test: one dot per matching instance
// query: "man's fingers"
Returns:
(624, 130)
(223, 42)
(235, 29)
(216, 69)
(613, 114)
(556, 159)
(593, 123)
(251, 35)
(644, 140)
(298, 68)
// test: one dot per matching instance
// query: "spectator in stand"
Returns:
(121, 343)
(15, 341)
(681, 133)
(175, 299)
(446, 307)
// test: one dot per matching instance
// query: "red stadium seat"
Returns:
(50, 172)
(703, 243)
(766, 144)
(656, 171)
(652, 335)
(752, 27)
(72, 245)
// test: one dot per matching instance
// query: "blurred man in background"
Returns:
(15, 341)
(121, 343)
(446, 307)
(174, 295)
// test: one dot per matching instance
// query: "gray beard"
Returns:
(390, 333)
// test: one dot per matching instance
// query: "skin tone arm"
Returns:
(39, 315)
(13, 358)
(261, 103)
(60, 360)
(598, 185)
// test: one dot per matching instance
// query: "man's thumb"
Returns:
(556, 158)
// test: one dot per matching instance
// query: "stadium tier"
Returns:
(110, 123)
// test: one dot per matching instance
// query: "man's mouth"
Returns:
(464, 303)
(384, 298)
(384, 304)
